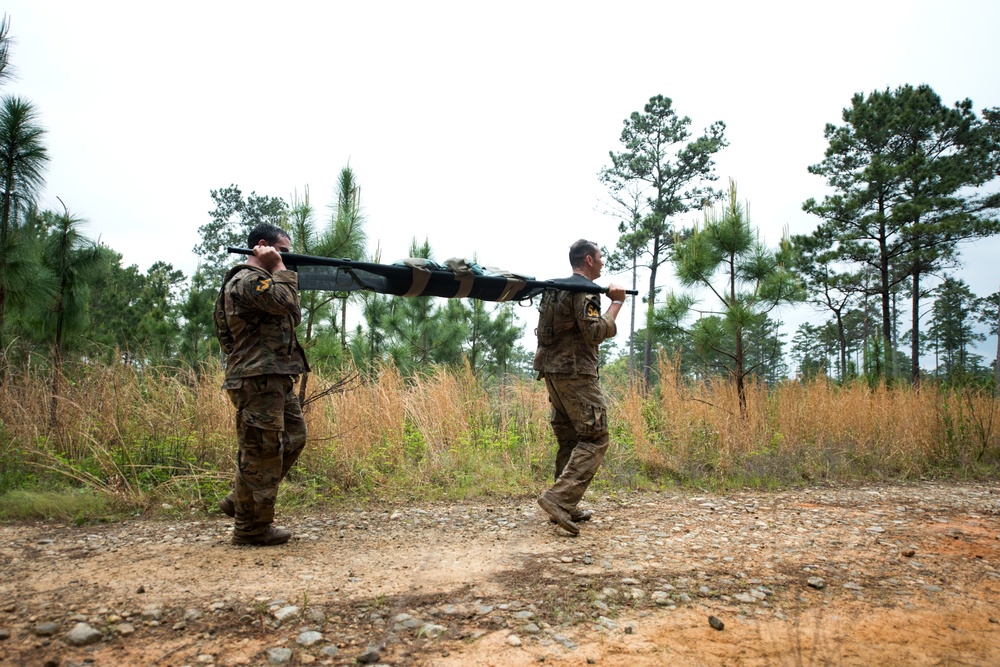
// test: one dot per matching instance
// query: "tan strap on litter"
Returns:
(421, 276)
(514, 286)
(463, 274)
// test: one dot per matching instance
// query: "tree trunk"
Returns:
(997, 363)
(56, 363)
(8, 200)
(915, 332)
(883, 251)
(741, 393)
(3, 342)
(631, 331)
(647, 357)
(371, 346)
(895, 335)
(842, 344)
(56, 372)
(474, 337)
(309, 323)
(4, 228)
(343, 325)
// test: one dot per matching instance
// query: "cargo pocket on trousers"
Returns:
(595, 423)
(265, 402)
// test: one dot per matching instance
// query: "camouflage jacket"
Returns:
(255, 318)
(571, 327)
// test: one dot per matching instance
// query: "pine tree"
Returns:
(671, 169)
(23, 159)
(905, 169)
(726, 257)
(74, 261)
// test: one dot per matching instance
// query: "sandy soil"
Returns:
(900, 575)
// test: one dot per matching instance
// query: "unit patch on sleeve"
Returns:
(263, 284)
(591, 311)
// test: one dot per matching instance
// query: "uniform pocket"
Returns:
(232, 384)
(264, 402)
(595, 421)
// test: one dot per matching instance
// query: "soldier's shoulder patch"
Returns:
(592, 311)
(263, 284)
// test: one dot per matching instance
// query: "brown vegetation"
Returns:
(142, 434)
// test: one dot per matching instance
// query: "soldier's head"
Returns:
(270, 235)
(585, 258)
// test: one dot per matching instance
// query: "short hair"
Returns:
(580, 251)
(267, 232)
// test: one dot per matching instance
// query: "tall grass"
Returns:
(808, 430)
(160, 434)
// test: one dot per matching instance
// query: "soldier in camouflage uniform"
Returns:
(570, 328)
(255, 319)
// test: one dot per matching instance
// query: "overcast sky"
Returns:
(480, 127)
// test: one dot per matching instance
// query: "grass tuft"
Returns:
(70, 506)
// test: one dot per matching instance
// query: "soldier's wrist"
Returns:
(618, 302)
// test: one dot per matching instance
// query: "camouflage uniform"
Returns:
(571, 327)
(255, 319)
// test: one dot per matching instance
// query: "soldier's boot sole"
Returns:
(559, 515)
(577, 516)
(270, 537)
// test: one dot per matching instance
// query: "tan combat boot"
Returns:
(269, 537)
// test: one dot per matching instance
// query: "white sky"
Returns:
(480, 127)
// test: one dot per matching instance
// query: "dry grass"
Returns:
(808, 429)
(148, 435)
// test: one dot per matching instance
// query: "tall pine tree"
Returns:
(905, 168)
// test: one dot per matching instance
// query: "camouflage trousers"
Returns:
(580, 422)
(271, 433)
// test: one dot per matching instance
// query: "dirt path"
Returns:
(873, 575)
